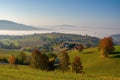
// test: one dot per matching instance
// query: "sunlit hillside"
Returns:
(94, 66)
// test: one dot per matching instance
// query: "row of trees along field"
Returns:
(41, 61)
(51, 61)
(21, 59)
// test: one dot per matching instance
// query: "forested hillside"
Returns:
(39, 40)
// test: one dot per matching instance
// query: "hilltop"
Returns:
(10, 25)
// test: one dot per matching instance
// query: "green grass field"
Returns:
(26, 73)
(7, 52)
(95, 68)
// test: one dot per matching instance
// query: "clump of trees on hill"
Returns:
(10, 45)
(39, 60)
(21, 59)
(79, 47)
(106, 46)
(42, 61)
(3, 59)
(51, 62)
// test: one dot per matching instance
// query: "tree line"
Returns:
(44, 62)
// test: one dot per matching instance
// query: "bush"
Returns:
(12, 60)
(23, 59)
(64, 61)
(51, 62)
(76, 65)
(3, 59)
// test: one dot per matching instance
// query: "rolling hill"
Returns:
(10, 25)
(95, 67)
(51, 38)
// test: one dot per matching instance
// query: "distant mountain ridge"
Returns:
(10, 25)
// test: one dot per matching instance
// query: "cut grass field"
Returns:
(94, 66)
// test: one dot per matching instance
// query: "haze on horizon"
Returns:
(100, 15)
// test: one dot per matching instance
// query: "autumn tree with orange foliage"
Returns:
(106, 46)
(12, 60)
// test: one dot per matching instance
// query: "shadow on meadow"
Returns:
(90, 52)
(115, 54)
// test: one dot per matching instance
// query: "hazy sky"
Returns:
(96, 13)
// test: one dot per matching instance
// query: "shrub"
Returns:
(51, 62)
(23, 59)
(76, 65)
(3, 59)
(12, 60)
(79, 47)
(64, 61)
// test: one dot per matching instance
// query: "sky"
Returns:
(83, 13)
(55, 12)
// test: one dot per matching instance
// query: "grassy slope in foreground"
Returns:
(95, 67)
(94, 64)
(26, 73)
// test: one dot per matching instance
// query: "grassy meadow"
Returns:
(26, 73)
(94, 66)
